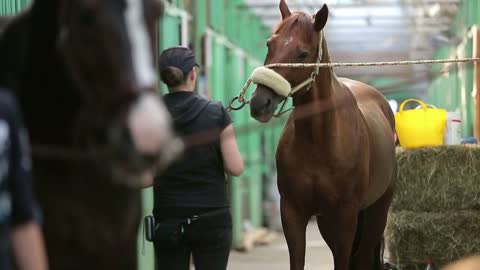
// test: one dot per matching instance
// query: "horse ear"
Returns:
(284, 10)
(321, 18)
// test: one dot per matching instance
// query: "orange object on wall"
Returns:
(476, 82)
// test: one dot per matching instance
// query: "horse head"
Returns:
(296, 39)
(108, 49)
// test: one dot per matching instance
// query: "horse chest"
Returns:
(309, 178)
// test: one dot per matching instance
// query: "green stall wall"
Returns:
(237, 40)
(10, 7)
(229, 42)
(452, 89)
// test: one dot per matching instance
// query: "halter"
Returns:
(308, 81)
(268, 77)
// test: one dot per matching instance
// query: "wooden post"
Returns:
(476, 81)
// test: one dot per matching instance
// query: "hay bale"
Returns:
(412, 238)
(437, 179)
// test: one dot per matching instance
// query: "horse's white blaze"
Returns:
(141, 51)
(287, 42)
(149, 123)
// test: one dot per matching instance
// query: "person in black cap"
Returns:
(191, 207)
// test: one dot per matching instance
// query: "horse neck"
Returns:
(320, 119)
(45, 91)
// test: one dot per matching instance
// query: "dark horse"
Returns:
(83, 73)
(336, 164)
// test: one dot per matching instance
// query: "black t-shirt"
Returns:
(17, 205)
(197, 179)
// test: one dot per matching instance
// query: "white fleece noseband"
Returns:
(271, 79)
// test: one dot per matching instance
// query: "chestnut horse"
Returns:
(83, 72)
(337, 164)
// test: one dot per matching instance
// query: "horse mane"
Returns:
(297, 18)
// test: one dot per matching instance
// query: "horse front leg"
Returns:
(294, 223)
(338, 230)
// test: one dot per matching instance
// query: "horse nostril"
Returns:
(269, 102)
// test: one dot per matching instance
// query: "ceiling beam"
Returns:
(400, 30)
(394, 3)
(369, 18)
(275, 14)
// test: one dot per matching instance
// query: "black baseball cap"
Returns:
(179, 57)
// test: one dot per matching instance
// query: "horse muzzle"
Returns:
(263, 104)
(149, 124)
(130, 168)
(144, 142)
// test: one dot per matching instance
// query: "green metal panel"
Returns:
(9, 7)
(169, 28)
(169, 35)
(452, 91)
(217, 73)
(243, 29)
(146, 253)
(230, 19)
(170, 32)
(254, 170)
(200, 27)
(234, 82)
(217, 18)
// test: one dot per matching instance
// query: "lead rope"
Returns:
(241, 97)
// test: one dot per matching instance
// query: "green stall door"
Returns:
(169, 32)
(231, 84)
(217, 75)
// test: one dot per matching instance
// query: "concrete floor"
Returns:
(275, 255)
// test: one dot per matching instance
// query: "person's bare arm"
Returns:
(232, 158)
(28, 247)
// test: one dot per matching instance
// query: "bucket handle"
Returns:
(428, 106)
(424, 106)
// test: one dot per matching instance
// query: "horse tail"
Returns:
(390, 115)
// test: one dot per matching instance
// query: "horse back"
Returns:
(380, 124)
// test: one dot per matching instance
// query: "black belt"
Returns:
(210, 214)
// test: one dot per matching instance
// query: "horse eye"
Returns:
(303, 55)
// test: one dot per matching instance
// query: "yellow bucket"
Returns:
(420, 127)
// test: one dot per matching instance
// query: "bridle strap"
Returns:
(308, 81)
(315, 72)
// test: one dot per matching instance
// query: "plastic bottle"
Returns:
(453, 130)
(429, 265)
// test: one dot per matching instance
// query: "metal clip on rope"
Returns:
(240, 98)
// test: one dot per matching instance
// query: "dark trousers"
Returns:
(208, 241)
